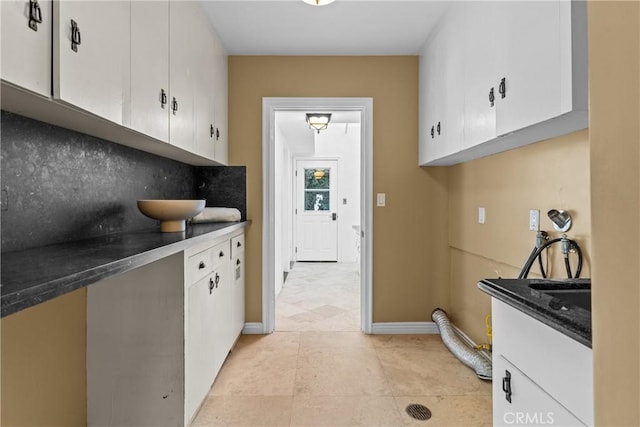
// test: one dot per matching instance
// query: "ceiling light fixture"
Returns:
(318, 121)
(318, 2)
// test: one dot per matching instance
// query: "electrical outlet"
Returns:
(481, 215)
(382, 200)
(534, 220)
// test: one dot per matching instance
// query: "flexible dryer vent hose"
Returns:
(470, 357)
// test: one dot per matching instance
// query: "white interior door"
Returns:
(316, 210)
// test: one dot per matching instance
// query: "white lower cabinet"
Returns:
(158, 335)
(541, 377)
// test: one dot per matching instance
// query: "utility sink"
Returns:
(565, 294)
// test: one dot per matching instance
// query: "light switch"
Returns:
(382, 200)
(481, 215)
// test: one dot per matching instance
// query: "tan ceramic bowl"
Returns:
(171, 213)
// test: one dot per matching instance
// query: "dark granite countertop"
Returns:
(571, 320)
(37, 275)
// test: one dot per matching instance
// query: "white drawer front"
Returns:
(220, 254)
(199, 265)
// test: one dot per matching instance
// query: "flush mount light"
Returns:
(318, 2)
(318, 121)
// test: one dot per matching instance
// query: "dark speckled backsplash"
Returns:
(59, 185)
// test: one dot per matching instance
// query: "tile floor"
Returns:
(302, 376)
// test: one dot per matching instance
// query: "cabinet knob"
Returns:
(503, 88)
(75, 36)
(174, 105)
(217, 279)
(163, 98)
(238, 262)
(217, 134)
(438, 128)
(210, 286)
(211, 131)
(432, 132)
(201, 265)
(221, 254)
(35, 15)
(238, 244)
(506, 385)
(492, 97)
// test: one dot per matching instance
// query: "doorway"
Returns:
(317, 213)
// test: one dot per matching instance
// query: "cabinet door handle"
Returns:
(438, 128)
(238, 262)
(174, 105)
(492, 97)
(506, 385)
(210, 286)
(432, 132)
(35, 15)
(221, 254)
(201, 265)
(163, 98)
(503, 88)
(238, 244)
(75, 36)
(217, 279)
(211, 131)
(217, 134)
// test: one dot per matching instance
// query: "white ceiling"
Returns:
(300, 138)
(345, 27)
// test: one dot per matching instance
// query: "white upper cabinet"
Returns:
(522, 76)
(26, 44)
(205, 95)
(221, 104)
(149, 102)
(91, 56)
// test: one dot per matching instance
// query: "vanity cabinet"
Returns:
(91, 56)
(26, 44)
(518, 76)
(158, 335)
(540, 376)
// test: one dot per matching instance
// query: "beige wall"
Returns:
(43, 364)
(614, 57)
(546, 175)
(410, 263)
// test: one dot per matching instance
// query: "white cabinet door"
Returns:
(91, 56)
(200, 353)
(238, 294)
(149, 103)
(220, 77)
(26, 53)
(519, 401)
(205, 92)
(430, 89)
(183, 51)
(527, 56)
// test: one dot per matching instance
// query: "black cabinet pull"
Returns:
(201, 265)
(35, 15)
(506, 385)
(238, 244)
(217, 279)
(492, 97)
(432, 132)
(503, 88)
(217, 134)
(211, 131)
(221, 254)
(438, 128)
(210, 286)
(238, 262)
(75, 36)
(174, 105)
(163, 98)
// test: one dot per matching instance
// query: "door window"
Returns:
(316, 189)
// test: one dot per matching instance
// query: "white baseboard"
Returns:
(253, 328)
(392, 328)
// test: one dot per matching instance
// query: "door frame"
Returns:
(269, 108)
(295, 194)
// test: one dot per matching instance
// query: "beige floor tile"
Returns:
(429, 372)
(283, 342)
(408, 340)
(332, 372)
(257, 372)
(245, 411)
(323, 340)
(345, 411)
(449, 411)
(328, 310)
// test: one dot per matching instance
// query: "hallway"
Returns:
(320, 296)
